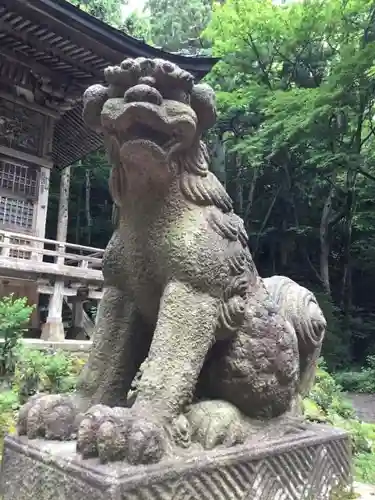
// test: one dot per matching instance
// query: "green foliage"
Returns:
(36, 372)
(365, 467)
(326, 397)
(361, 381)
(326, 404)
(52, 373)
(109, 11)
(14, 317)
(9, 404)
(177, 25)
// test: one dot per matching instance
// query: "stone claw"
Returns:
(146, 442)
(216, 423)
(48, 416)
(121, 434)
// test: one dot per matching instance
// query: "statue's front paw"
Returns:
(121, 434)
(215, 423)
(49, 416)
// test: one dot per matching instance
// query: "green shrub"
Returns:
(36, 371)
(362, 381)
(29, 373)
(365, 467)
(9, 404)
(327, 395)
(327, 404)
(14, 317)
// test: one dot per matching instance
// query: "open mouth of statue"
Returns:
(143, 132)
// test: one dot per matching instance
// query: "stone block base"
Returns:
(309, 464)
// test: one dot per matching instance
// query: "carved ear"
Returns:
(93, 102)
(203, 102)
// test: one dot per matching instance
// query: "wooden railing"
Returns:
(21, 251)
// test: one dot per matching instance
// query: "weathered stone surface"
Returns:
(305, 465)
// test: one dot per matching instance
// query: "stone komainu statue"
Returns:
(206, 349)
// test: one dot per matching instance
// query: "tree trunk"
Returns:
(346, 289)
(87, 205)
(219, 160)
(239, 188)
(325, 242)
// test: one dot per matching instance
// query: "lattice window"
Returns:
(19, 179)
(15, 252)
(20, 254)
(17, 214)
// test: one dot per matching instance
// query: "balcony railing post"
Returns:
(5, 251)
(84, 264)
(60, 247)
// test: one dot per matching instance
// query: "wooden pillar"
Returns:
(62, 221)
(42, 204)
(53, 329)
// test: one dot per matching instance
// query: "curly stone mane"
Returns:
(200, 186)
(300, 307)
(197, 183)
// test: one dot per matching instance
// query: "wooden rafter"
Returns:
(10, 82)
(60, 28)
(30, 62)
(43, 46)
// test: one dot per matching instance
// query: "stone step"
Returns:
(365, 491)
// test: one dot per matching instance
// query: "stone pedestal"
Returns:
(309, 464)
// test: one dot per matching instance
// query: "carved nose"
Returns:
(143, 93)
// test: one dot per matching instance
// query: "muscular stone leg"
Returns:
(184, 333)
(121, 342)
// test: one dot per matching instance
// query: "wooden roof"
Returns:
(54, 42)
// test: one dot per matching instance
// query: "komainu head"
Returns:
(150, 103)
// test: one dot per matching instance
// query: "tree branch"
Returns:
(260, 61)
(366, 174)
(265, 220)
